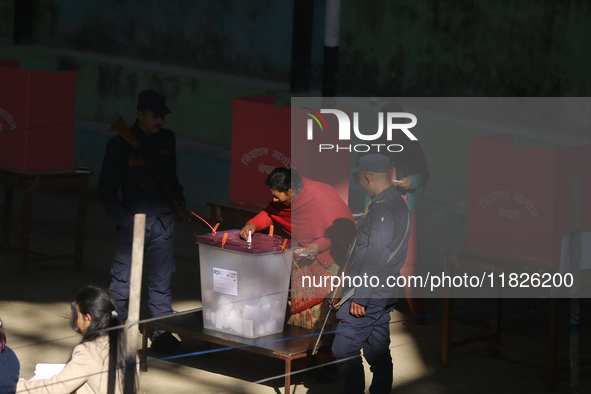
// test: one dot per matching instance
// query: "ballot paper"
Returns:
(46, 371)
(252, 317)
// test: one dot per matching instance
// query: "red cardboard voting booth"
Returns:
(12, 63)
(519, 198)
(261, 141)
(37, 112)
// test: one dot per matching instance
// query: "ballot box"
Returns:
(244, 285)
(37, 113)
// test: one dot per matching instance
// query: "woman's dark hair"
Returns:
(282, 179)
(2, 337)
(99, 303)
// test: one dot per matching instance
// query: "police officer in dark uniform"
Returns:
(382, 243)
(123, 168)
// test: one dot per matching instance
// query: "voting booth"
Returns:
(266, 136)
(37, 113)
(519, 198)
(244, 285)
(260, 143)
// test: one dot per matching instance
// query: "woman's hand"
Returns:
(404, 183)
(244, 232)
(312, 251)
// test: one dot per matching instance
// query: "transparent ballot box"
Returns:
(244, 285)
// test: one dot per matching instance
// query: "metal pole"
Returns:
(301, 45)
(23, 22)
(575, 256)
(135, 289)
(331, 48)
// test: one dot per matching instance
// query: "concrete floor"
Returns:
(35, 311)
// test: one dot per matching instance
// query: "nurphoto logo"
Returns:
(345, 130)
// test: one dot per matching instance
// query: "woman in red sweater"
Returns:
(314, 214)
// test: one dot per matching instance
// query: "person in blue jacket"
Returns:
(9, 366)
(124, 169)
(380, 252)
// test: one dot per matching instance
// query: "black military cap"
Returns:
(153, 101)
(374, 162)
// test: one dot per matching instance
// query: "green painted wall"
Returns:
(466, 48)
(387, 47)
(248, 38)
(201, 109)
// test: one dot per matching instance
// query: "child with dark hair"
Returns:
(97, 363)
(9, 366)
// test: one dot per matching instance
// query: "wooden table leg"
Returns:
(448, 307)
(496, 327)
(144, 356)
(81, 222)
(7, 217)
(287, 375)
(26, 230)
(552, 345)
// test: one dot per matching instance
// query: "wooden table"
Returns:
(472, 259)
(290, 344)
(30, 181)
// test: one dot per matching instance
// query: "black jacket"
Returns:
(382, 244)
(123, 169)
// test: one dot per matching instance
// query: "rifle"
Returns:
(336, 300)
(118, 124)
